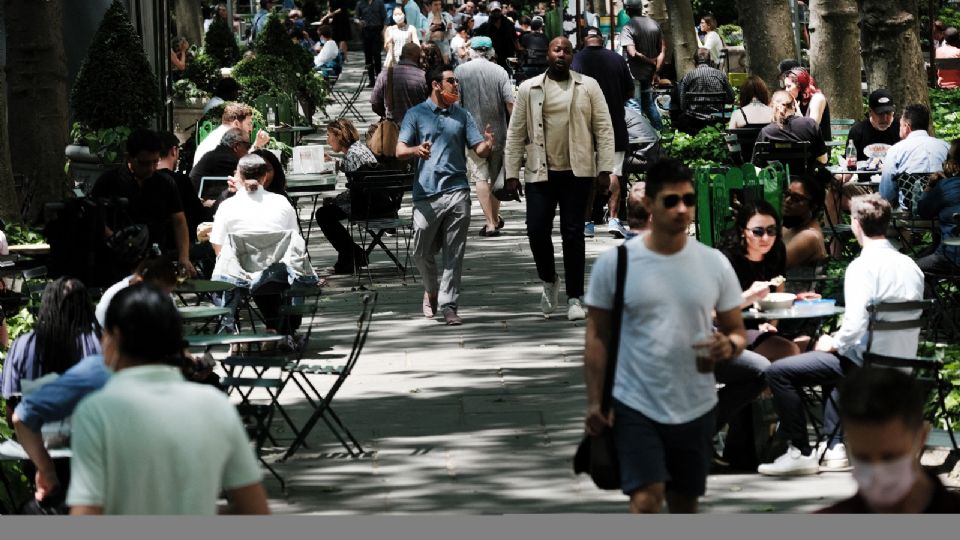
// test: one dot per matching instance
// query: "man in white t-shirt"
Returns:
(235, 115)
(665, 398)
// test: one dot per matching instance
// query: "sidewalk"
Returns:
(478, 419)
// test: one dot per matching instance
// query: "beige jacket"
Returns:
(591, 131)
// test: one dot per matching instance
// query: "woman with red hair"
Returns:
(810, 100)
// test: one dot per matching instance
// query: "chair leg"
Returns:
(283, 485)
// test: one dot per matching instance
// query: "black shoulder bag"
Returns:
(597, 455)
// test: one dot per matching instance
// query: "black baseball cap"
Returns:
(881, 101)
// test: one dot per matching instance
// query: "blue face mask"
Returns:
(298, 24)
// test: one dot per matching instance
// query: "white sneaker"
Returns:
(575, 310)
(792, 463)
(616, 228)
(834, 459)
(550, 296)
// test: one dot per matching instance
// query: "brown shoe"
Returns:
(429, 306)
(450, 317)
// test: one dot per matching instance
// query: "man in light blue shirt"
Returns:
(436, 133)
(917, 152)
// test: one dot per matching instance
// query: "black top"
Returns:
(825, 129)
(611, 72)
(942, 502)
(152, 203)
(221, 161)
(193, 209)
(646, 37)
(535, 44)
(773, 264)
(864, 134)
(797, 129)
(503, 38)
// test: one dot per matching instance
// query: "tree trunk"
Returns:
(767, 36)
(37, 68)
(834, 55)
(890, 45)
(9, 210)
(683, 37)
(189, 20)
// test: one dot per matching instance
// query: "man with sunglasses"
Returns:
(561, 123)
(436, 132)
(879, 274)
(665, 399)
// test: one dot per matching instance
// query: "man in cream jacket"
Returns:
(561, 123)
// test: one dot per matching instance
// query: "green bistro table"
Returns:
(214, 340)
(202, 314)
(203, 288)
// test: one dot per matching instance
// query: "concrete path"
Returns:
(478, 419)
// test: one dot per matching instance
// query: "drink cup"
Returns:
(705, 361)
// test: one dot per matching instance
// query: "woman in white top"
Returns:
(396, 36)
(711, 39)
(754, 108)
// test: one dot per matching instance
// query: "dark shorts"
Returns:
(651, 452)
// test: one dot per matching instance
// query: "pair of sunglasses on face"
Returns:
(689, 199)
(758, 232)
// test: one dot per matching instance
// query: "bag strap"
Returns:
(390, 92)
(616, 317)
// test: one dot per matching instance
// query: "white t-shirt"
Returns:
(713, 42)
(327, 53)
(101, 311)
(211, 141)
(150, 442)
(4, 248)
(256, 211)
(668, 304)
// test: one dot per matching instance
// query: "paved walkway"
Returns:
(478, 419)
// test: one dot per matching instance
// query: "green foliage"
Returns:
(705, 149)
(184, 90)
(725, 11)
(203, 71)
(950, 17)
(265, 75)
(221, 44)
(945, 113)
(275, 42)
(18, 233)
(109, 144)
(115, 85)
(731, 34)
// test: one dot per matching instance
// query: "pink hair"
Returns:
(805, 84)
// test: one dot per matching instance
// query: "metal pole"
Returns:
(161, 26)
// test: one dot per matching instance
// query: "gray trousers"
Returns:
(441, 224)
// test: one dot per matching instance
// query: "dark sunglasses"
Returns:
(760, 231)
(452, 80)
(689, 199)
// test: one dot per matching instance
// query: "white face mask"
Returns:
(887, 483)
(398, 18)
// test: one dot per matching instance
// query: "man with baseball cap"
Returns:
(501, 31)
(880, 126)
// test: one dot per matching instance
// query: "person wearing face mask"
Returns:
(882, 413)
(398, 35)
(436, 133)
(879, 274)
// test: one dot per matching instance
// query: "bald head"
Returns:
(559, 58)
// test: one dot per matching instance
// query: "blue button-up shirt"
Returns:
(942, 202)
(918, 153)
(56, 400)
(449, 130)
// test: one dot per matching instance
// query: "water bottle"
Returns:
(271, 117)
(851, 156)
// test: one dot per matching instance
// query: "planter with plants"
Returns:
(105, 111)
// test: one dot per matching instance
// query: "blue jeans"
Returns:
(649, 108)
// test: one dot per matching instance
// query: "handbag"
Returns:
(382, 137)
(597, 455)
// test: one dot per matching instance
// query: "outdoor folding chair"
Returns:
(926, 370)
(375, 200)
(740, 143)
(302, 372)
(905, 222)
(839, 127)
(719, 105)
(347, 99)
(256, 421)
(794, 155)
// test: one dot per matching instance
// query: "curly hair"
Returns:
(344, 131)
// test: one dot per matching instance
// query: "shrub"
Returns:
(731, 34)
(115, 55)
(221, 44)
(203, 71)
(273, 41)
(944, 107)
(705, 149)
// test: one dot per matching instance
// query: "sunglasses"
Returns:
(689, 199)
(758, 232)
(452, 80)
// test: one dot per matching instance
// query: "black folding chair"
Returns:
(905, 222)
(713, 107)
(302, 371)
(375, 200)
(794, 155)
(348, 99)
(740, 143)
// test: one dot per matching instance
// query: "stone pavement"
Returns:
(478, 419)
